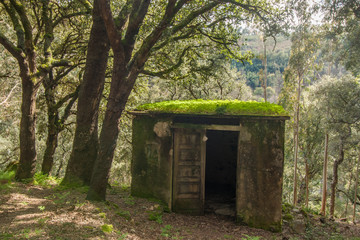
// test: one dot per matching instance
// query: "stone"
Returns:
(299, 226)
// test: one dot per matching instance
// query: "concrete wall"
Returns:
(260, 174)
(151, 166)
(259, 167)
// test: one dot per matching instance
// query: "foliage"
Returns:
(228, 107)
(7, 175)
(247, 237)
(344, 17)
(217, 81)
(107, 228)
(44, 180)
(6, 178)
(166, 231)
(156, 214)
(124, 214)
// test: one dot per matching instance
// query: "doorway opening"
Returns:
(220, 172)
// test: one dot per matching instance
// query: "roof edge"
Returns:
(229, 116)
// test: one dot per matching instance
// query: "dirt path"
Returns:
(34, 212)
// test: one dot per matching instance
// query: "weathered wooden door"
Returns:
(189, 171)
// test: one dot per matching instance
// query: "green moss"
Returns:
(217, 107)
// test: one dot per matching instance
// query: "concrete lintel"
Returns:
(208, 127)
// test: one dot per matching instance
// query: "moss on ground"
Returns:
(215, 107)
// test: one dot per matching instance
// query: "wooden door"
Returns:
(189, 171)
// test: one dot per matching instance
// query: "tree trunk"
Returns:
(85, 145)
(324, 186)
(307, 183)
(119, 93)
(55, 124)
(355, 189)
(51, 144)
(265, 70)
(53, 131)
(296, 140)
(27, 161)
(349, 188)
(336, 178)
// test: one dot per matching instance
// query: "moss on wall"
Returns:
(259, 164)
(219, 107)
(152, 162)
(260, 169)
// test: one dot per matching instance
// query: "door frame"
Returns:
(202, 128)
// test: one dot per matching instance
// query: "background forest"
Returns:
(303, 55)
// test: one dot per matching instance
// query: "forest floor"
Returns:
(29, 211)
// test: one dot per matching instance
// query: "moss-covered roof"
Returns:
(215, 107)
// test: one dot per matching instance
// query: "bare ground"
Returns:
(33, 212)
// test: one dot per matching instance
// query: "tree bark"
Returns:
(265, 70)
(324, 185)
(307, 176)
(25, 54)
(296, 139)
(51, 144)
(26, 168)
(55, 122)
(336, 178)
(119, 93)
(85, 145)
(355, 189)
(348, 191)
(53, 131)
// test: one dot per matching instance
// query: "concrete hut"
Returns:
(200, 155)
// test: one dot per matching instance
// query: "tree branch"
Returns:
(14, 51)
(87, 5)
(136, 18)
(16, 24)
(142, 55)
(170, 69)
(184, 23)
(67, 97)
(192, 16)
(25, 22)
(185, 35)
(251, 8)
(9, 95)
(68, 107)
(68, 16)
(123, 16)
(106, 14)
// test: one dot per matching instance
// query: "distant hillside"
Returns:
(277, 52)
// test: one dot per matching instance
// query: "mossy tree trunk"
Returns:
(35, 65)
(26, 168)
(24, 53)
(50, 83)
(85, 144)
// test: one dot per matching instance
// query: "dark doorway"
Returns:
(220, 172)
